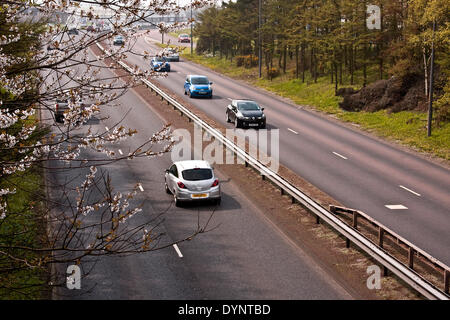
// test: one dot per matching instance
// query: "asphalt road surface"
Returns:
(245, 257)
(403, 191)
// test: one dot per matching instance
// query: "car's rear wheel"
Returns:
(59, 118)
(218, 201)
(167, 188)
(177, 202)
(228, 117)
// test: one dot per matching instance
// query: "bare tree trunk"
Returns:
(425, 68)
(303, 63)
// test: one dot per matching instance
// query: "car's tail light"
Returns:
(215, 183)
(181, 185)
(56, 107)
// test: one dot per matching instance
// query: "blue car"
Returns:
(198, 86)
(160, 64)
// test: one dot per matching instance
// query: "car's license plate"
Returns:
(199, 195)
(253, 124)
(203, 92)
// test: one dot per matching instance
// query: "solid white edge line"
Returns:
(292, 131)
(177, 250)
(409, 190)
(340, 155)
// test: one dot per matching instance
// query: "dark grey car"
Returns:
(246, 113)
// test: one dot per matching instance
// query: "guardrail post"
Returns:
(347, 242)
(292, 200)
(282, 191)
(355, 219)
(446, 281)
(317, 219)
(380, 236)
(411, 258)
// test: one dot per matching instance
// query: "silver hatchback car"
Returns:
(192, 180)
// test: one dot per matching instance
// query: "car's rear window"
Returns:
(197, 174)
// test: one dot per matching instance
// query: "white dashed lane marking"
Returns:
(396, 206)
(340, 155)
(177, 250)
(295, 132)
(409, 190)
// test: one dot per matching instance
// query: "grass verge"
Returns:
(23, 226)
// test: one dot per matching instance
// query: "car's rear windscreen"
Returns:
(197, 174)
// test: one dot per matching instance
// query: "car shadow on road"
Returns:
(217, 97)
(93, 121)
(227, 203)
(271, 126)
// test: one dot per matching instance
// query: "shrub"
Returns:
(272, 73)
(240, 61)
(250, 61)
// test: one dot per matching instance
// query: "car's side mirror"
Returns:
(210, 82)
(167, 170)
(262, 109)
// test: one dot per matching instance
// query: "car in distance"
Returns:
(159, 64)
(118, 40)
(172, 55)
(107, 27)
(184, 38)
(62, 104)
(72, 30)
(198, 86)
(54, 43)
(246, 113)
(191, 180)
